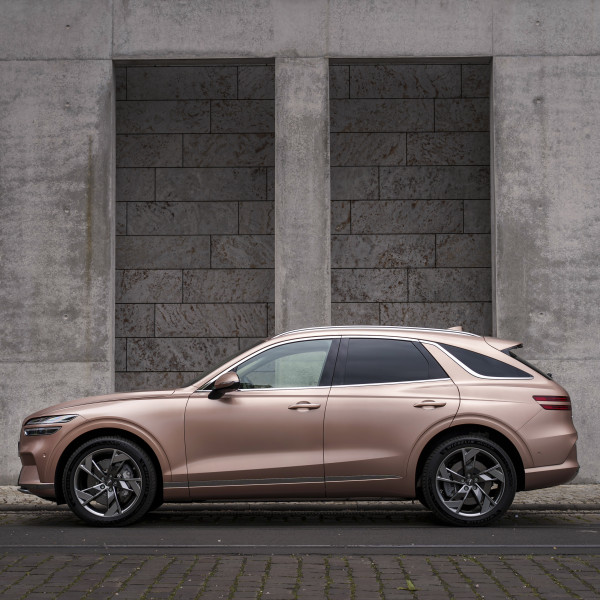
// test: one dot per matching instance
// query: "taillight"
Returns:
(554, 402)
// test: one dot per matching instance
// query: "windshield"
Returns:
(528, 364)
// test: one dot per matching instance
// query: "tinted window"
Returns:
(528, 364)
(484, 365)
(298, 364)
(384, 361)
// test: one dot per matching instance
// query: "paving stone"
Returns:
(242, 251)
(121, 218)
(229, 150)
(256, 82)
(404, 81)
(352, 313)
(228, 285)
(340, 217)
(339, 81)
(472, 148)
(134, 320)
(463, 250)
(242, 116)
(162, 252)
(422, 183)
(120, 83)
(147, 286)
(475, 317)
(470, 114)
(360, 149)
(354, 183)
(369, 285)
(477, 216)
(382, 251)
(476, 81)
(149, 150)
(449, 285)
(211, 184)
(184, 218)
(120, 354)
(163, 116)
(181, 83)
(381, 115)
(407, 216)
(135, 185)
(257, 217)
(222, 320)
(178, 354)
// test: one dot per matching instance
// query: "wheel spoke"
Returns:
(86, 498)
(114, 508)
(494, 473)
(468, 458)
(456, 505)
(488, 500)
(86, 470)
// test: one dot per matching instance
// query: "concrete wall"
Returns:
(56, 187)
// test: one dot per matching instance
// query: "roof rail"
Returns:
(384, 327)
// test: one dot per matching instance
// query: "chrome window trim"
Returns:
(470, 371)
(345, 385)
(377, 327)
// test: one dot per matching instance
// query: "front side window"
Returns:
(297, 364)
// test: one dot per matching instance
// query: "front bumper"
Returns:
(41, 490)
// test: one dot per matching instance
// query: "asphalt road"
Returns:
(180, 531)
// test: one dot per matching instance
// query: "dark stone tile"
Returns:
(354, 183)
(448, 148)
(369, 285)
(151, 150)
(449, 285)
(135, 185)
(163, 116)
(134, 320)
(339, 86)
(146, 381)
(257, 217)
(121, 218)
(256, 82)
(120, 83)
(229, 150)
(476, 81)
(242, 251)
(340, 217)
(471, 114)
(163, 252)
(120, 354)
(463, 250)
(228, 285)
(361, 149)
(352, 313)
(242, 116)
(148, 286)
(477, 216)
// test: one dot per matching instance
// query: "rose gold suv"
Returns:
(451, 418)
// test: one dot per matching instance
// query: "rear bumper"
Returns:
(542, 477)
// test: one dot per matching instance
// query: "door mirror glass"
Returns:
(226, 382)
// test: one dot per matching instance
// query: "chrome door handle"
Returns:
(303, 405)
(429, 404)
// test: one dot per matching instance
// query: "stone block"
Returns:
(469, 114)
(352, 313)
(229, 150)
(407, 216)
(476, 81)
(404, 81)
(247, 343)
(475, 317)
(360, 149)
(477, 216)
(242, 251)
(147, 286)
(340, 217)
(178, 354)
(382, 251)
(381, 115)
(339, 81)
(135, 185)
(271, 319)
(134, 320)
(228, 285)
(181, 83)
(120, 83)
(211, 320)
(354, 183)
(121, 218)
(181, 218)
(369, 285)
(242, 116)
(463, 250)
(256, 82)
(455, 148)
(256, 217)
(449, 285)
(443, 183)
(163, 116)
(149, 150)
(165, 380)
(120, 354)
(163, 252)
(271, 184)
(193, 185)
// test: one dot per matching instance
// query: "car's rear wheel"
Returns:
(109, 481)
(469, 480)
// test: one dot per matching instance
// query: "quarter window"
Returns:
(485, 365)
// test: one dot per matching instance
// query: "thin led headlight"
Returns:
(41, 430)
(53, 420)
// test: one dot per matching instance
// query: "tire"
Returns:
(469, 481)
(110, 481)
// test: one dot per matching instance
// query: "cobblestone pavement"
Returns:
(303, 576)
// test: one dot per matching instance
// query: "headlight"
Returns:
(41, 430)
(54, 420)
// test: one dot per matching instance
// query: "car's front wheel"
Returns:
(469, 480)
(109, 481)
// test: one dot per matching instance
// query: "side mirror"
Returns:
(223, 384)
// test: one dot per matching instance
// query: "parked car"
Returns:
(454, 419)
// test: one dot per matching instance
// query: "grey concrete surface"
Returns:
(302, 194)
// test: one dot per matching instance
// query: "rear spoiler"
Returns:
(503, 344)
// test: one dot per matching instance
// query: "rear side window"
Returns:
(371, 360)
(484, 365)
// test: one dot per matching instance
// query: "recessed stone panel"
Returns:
(162, 252)
(477, 216)
(449, 285)
(228, 285)
(148, 285)
(463, 250)
(242, 116)
(339, 85)
(382, 251)
(340, 216)
(120, 83)
(470, 114)
(352, 313)
(476, 81)
(120, 354)
(257, 217)
(211, 320)
(369, 285)
(354, 183)
(458, 148)
(242, 251)
(144, 381)
(134, 320)
(135, 185)
(407, 216)
(121, 218)
(151, 150)
(163, 116)
(360, 149)
(229, 150)
(256, 82)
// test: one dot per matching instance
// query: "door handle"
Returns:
(303, 405)
(429, 404)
